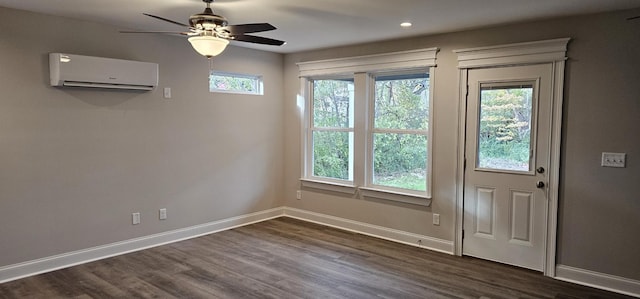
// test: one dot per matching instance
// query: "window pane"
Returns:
(504, 131)
(331, 154)
(402, 102)
(400, 160)
(333, 103)
(235, 83)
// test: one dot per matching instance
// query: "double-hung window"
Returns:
(331, 131)
(399, 132)
(367, 125)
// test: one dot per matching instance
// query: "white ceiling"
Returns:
(314, 24)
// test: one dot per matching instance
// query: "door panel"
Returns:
(507, 138)
(485, 211)
(521, 216)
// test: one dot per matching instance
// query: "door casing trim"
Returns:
(537, 52)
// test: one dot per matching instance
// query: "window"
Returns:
(332, 129)
(235, 83)
(367, 125)
(400, 131)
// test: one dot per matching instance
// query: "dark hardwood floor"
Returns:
(288, 258)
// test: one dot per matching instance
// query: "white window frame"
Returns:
(362, 69)
(312, 128)
(375, 189)
(257, 82)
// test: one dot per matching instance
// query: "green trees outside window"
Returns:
(333, 128)
(401, 119)
(504, 133)
(235, 83)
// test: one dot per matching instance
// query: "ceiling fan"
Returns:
(209, 34)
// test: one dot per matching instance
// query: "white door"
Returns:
(507, 148)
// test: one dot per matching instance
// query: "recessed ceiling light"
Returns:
(406, 24)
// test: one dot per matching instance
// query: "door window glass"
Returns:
(505, 123)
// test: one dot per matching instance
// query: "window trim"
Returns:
(362, 68)
(403, 60)
(329, 185)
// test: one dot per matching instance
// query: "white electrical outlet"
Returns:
(135, 218)
(163, 214)
(299, 194)
(167, 92)
(436, 219)
(614, 160)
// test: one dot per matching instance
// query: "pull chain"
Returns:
(210, 71)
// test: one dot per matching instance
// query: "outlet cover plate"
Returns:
(135, 218)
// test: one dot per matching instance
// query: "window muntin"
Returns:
(399, 139)
(235, 83)
(332, 128)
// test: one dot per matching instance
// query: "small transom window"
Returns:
(235, 83)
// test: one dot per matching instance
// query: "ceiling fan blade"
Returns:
(258, 40)
(166, 20)
(633, 18)
(162, 32)
(249, 28)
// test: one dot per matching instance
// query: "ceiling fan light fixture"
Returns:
(208, 46)
(210, 33)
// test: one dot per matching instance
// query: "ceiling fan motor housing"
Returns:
(207, 20)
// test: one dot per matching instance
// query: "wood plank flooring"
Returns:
(288, 258)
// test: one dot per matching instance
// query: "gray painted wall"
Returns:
(74, 164)
(599, 207)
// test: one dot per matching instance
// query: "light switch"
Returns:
(614, 160)
(167, 92)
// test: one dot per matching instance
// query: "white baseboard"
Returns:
(65, 260)
(372, 230)
(598, 280)
(12, 272)
(47, 264)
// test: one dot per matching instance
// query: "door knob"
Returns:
(540, 184)
(540, 169)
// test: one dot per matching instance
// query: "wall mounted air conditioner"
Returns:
(97, 72)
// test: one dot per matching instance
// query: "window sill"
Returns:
(236, 92)
(329, 186)
(368, 192)
(396, 196)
